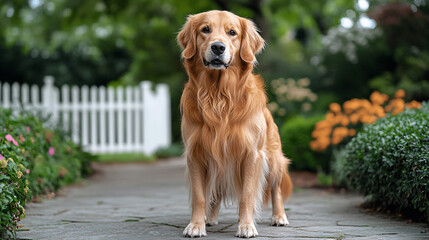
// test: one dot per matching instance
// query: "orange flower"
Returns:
(337, 140)
(354, 118)
(379, 111)
(388, 108)
(362, 112)
(351, 105)
(352, 132)
(330, 117)
(335, 107)
(320, 143)
(366, 104)
(378, 98)
(398, 103)
(413, 104)
(338, 118)
(396, 106)
(396, 111)
(324, 143)
(340, 132)
(400, 94)
(323, 124)
(345, 121)
(368, 119)
(323, 132)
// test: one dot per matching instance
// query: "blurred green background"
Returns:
(318, 52)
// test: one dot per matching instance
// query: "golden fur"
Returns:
(232, 144)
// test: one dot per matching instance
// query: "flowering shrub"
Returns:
(292, 96)
(348, 41)
(13, 185)
(389, 162)
(341, 123)
(34, 161)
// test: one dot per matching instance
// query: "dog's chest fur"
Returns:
(226, 116)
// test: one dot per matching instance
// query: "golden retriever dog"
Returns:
(232, 144)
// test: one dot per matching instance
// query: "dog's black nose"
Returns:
(218, 48)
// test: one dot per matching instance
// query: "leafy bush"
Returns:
(296, 138)
(389, 161)
(35, 157)
(13, 187)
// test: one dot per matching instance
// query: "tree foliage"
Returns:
(126, 41)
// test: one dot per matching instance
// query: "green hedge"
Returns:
(389, 161)
(296, 138)
(34, 161)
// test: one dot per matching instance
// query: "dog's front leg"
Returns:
(250, 176)
(197, 227)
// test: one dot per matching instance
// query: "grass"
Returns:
(174, 150)
(125, 158)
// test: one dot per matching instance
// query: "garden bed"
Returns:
(34, 161)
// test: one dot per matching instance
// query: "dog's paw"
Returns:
(246, 231)
(195, 230)
(212, 222)
(279, 220)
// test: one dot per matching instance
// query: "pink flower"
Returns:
(1, 157)
(11, 139)
(28, 129)
(28, 171)
(51, 151)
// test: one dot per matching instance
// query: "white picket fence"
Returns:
(103, 120)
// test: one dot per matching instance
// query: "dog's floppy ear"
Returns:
(251, 42)
(187, 39)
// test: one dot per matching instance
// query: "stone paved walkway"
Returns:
(150, 201)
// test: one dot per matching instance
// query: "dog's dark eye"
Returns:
(206, 30)
(232, 33)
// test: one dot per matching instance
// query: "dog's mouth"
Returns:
(216, 63)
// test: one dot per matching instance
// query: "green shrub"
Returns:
(389, 161)
(35, 157)
(296, 138)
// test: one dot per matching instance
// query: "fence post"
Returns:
(156, 120)
(15, 98)
(163, 94)
(148, 127)
(6, 95)
(48, 102)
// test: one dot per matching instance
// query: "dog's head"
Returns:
(220, 39)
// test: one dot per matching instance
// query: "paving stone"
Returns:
(151, 201)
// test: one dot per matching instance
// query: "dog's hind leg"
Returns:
(279, 192)
(279, 215)
(212, 218)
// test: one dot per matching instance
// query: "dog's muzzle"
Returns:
(216, 57)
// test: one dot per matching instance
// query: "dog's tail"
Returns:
(286, 185)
